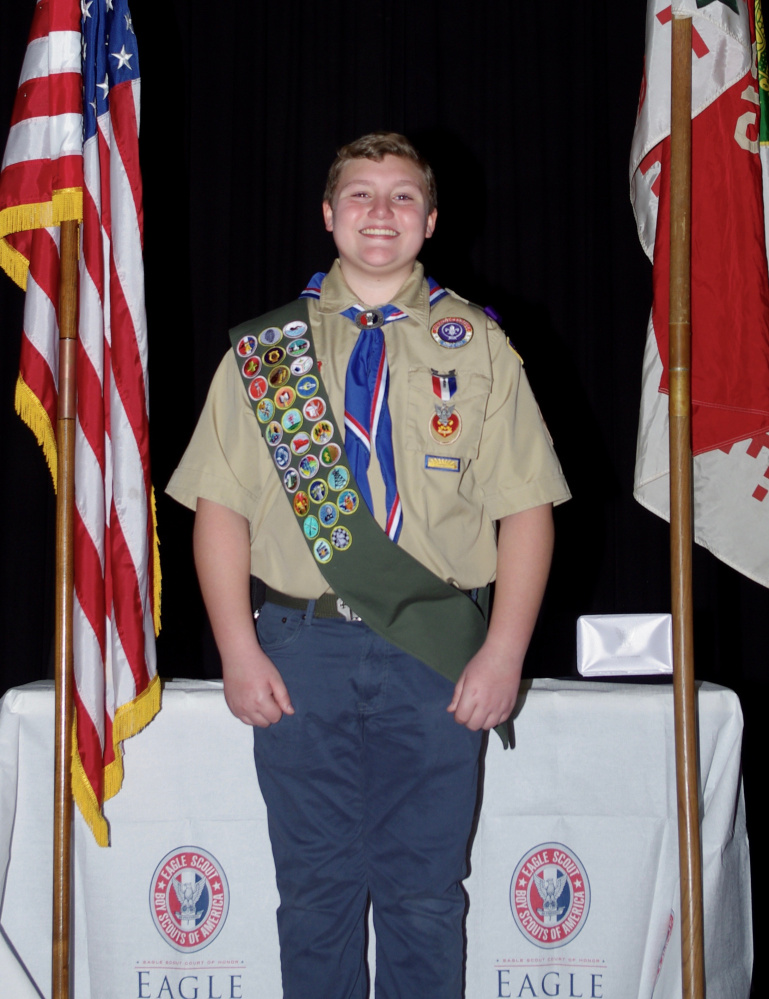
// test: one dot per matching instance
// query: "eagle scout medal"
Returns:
(445, 431)
(369, 319)
(270, 336)
(294, 329)
(452, 332)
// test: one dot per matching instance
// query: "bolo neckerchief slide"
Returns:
(395, 594)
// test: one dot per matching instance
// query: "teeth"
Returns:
(379, 232)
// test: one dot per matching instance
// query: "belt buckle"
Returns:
(344, 610)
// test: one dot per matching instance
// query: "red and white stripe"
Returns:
(113, 626)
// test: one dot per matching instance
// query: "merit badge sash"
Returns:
(397, 596)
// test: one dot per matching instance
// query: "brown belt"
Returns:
(329, 605)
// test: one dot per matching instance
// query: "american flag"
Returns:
(72, 153)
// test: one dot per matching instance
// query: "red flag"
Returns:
(72, 153)
(729, 281)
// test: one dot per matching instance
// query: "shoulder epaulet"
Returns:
(492, 313)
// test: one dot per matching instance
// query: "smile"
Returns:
(378, 232)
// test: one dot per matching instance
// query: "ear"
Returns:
(430, 223)
(328, 216)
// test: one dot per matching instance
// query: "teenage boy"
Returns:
(367, 757)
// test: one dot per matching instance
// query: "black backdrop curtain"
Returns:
(526, 112)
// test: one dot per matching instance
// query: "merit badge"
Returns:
(314, 408)
(251, 367)
(301, 443)
(318, 490)
(308, 466)
(301, 504)
(279, 376)
(273, 433)
(270, 336)
(550, 895)
(274, 356)
(300, 366)
(348, 501)
(452, 332)
(328, 515)
(322, 550)
(294, 329)
(291, 480)
(341, 538)
(258, 388)
(285, 397)
(282, 456)
(445, 432)
(307, 386)
(369, 319)
(189, 898)
(311, 527)
(265, 410)
(322, 432)
(330, 455)
(338, 478)
(291, 420)
(246, 345)
(297, 348)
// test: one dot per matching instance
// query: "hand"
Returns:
(486, 691)
(254, 690)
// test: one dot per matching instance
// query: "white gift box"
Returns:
(624, 644)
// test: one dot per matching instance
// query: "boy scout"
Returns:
(403, 466)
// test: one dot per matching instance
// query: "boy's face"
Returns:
(379, 220)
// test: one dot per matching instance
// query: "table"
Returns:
(574, 883)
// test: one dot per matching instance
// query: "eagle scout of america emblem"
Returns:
(550, 895)
(189, 898)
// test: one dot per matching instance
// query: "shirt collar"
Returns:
(413, 297)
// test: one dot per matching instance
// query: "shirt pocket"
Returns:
(459, 434)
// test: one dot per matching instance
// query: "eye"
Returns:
(403, 197)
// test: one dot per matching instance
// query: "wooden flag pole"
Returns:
(65, 497)
(681, 510)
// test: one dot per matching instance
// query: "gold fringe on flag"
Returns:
(129, 719)
(33, 413)
(65, 205)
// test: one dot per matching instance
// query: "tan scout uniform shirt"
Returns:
(505, 457)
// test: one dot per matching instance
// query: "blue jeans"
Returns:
(370, 790)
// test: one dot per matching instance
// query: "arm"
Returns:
(486, 691)
(253, 687)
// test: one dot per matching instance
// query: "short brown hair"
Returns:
(375, 146)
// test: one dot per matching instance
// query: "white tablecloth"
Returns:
(574, 883)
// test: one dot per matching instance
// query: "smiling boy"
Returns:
(406, 409)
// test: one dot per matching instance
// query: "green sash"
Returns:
(397, 596)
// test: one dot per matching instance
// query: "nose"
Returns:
(380, 207)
